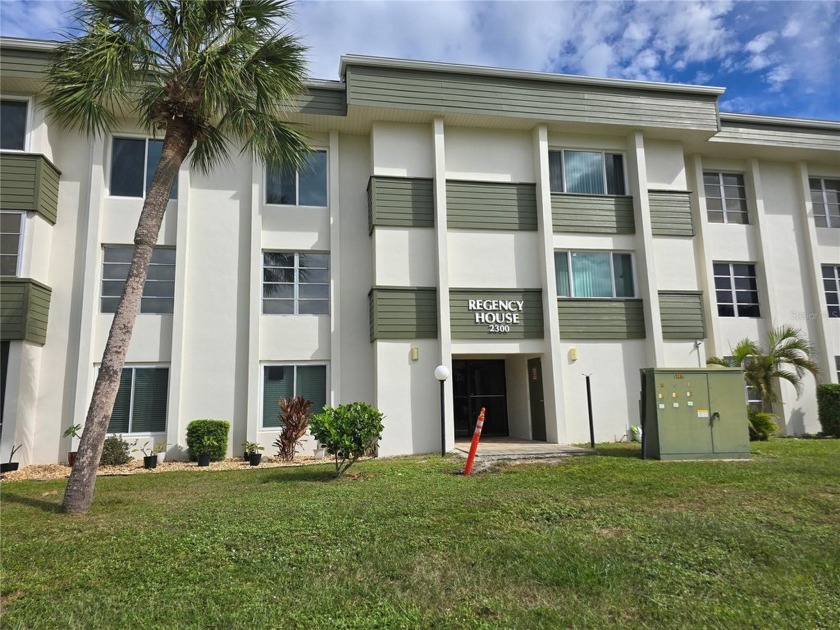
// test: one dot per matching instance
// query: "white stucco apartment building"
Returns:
(523, 229)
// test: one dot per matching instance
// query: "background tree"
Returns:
(789, 357)
(204, 73)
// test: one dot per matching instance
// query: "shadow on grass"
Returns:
(45, 506)
(301, 473)
(626, 451)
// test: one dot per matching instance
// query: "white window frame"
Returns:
(721, 190)
(27, 132)
(611, 252)
(751, 394)
(110, 162)
(604, 153)
(734, 291)
(827, 214)
(294, 364)
(297, 283)
(315, 149)
(102, 279)
(21, 241)
(836, 290)
(134, 367)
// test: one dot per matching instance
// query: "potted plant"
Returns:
(205, 448)
(160, 451)
(72, 432)
(11, 466)
(149, 456)
(252, 452)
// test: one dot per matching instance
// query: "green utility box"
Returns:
(694, 414)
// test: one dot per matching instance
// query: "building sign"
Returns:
(497, 315)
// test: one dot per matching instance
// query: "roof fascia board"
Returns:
(435, 66)
(780, 121)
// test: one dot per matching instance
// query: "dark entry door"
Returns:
(478, 384)
(535, 392)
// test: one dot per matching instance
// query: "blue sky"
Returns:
(780, 58)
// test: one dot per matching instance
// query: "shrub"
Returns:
(828, 404)
(294, 416)
(347, 432)
(762, 425)
(208, 437)
(115, 452)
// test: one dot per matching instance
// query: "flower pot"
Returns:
(161, 456)
(9, 467)
(246, 457)
(150, 461)
(71, 458)
(318, 453)
(255, 459)
(204, 460)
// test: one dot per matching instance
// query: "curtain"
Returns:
(584, 172)
(151, 386)
(279, 382)
(591, 274)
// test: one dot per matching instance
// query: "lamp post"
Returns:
(441, 374)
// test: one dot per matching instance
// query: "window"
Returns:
(133, 165)
(140, 406)
(825, 195)
(594, 275)
(736, 289)
(11, 232)
(831, 282)
(586, 172)
(286, 381)
(726, 197)
(304, 187)
(754, 400)
(159, 291)
(837, 367)
(13, 125)
(296, 283)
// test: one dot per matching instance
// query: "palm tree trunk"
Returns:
(79, 494)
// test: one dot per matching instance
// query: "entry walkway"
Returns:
(491, 449)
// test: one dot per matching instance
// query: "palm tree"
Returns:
(201, 72)
(789, 357)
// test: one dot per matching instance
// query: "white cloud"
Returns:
(761, 43)
(778, 76)
(41, 19)
(597, 60)
(707, 41)
(792, 28)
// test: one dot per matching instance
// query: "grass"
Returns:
(607, 541)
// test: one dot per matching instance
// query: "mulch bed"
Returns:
(45, 472)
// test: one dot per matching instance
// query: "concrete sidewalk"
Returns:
(491, 449)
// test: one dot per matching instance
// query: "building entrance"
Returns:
(477, 384)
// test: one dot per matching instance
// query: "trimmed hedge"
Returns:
(828, 404)
(208, 437)
(115, 451)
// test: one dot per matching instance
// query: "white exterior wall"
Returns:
(489, 258)
(409, 396)
(613, 367)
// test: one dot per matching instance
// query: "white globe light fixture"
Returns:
(441, 373)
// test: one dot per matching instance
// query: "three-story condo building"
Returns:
(523, 229)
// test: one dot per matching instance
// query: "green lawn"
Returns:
(606, 541)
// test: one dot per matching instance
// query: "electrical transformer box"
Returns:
(694, 414)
